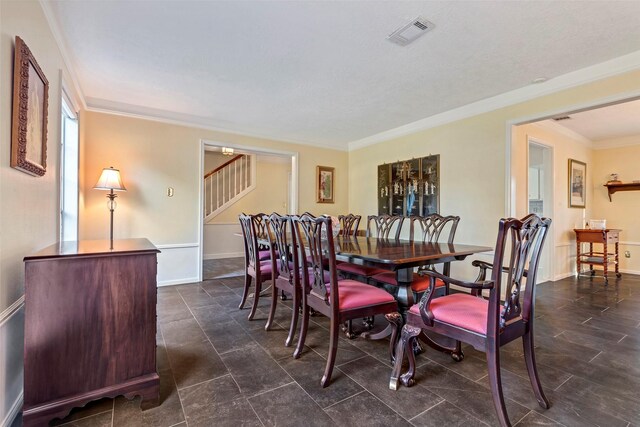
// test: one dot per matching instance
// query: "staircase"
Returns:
(227, 184)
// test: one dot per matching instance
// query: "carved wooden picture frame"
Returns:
(30, 105)
(325, 184)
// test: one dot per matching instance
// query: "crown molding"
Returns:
(583, 76)
(552, 126)
(64, 52)
(627, 141)
(172, 118)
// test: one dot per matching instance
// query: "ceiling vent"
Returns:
(561, 118)
(411, 31)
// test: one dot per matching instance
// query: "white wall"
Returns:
(29, 205)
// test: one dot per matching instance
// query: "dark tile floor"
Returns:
(219, 369)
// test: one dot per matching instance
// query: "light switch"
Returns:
(170, 191)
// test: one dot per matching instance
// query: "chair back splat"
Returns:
(349, 224)
(430, 227)
(384, 225)
(319, 251)
(250, 235)
(287, 265)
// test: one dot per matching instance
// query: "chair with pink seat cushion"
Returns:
(486, 324)
(378, 226)
(340, 300)
(257, 270)
(427, 229)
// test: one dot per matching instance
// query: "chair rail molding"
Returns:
(178, 263)
(11, 361)
(8, 312)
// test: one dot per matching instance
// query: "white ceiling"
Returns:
(322, 72)
(606, 123)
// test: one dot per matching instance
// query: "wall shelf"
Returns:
(630, 186)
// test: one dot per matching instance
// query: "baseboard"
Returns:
(627, 271)
(223, 255)
(563, 276)
(182, 281)
(13, 412)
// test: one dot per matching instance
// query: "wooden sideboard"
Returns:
(90, 326)
(608, 238)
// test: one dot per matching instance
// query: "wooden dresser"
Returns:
(90, 326)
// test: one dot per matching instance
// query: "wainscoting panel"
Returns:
(222, 241)
(178, 264)
(564, 262)
(11, 361)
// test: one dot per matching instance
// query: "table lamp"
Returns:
(110, 180)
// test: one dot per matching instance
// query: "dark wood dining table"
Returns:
(401, 256)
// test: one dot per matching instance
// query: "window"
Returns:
(69, 164)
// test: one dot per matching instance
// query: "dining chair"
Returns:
(340, 300)
(285, 268)
(426, 229)
(264, 252)
(254, 268)
(380, 227)
(349, 224)
(486, 324)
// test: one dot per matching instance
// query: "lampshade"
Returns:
(110, 180)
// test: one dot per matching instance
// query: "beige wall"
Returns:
(213, 159)
(152, 156)
(270, 194)
(472, 158)
(29, 205)
(565, 218)
(624, 209)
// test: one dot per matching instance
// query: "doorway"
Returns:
(540, 196)
(220, 239)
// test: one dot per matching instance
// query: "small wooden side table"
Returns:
(606, 237)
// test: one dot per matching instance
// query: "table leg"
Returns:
(605, 259)
(578, 257)
(617, 258)
(405, 294)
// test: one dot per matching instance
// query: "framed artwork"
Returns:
(324, 184)
(30, 104)
(577, 184)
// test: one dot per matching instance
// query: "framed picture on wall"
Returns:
(29, 122)
(577, 184)
(324, 184)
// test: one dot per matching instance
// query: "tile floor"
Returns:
(219, 369)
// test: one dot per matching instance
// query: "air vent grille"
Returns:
(561, 118)
(410, 31)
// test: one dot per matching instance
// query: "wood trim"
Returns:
(208, 174)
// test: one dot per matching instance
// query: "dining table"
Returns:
(401, 256)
